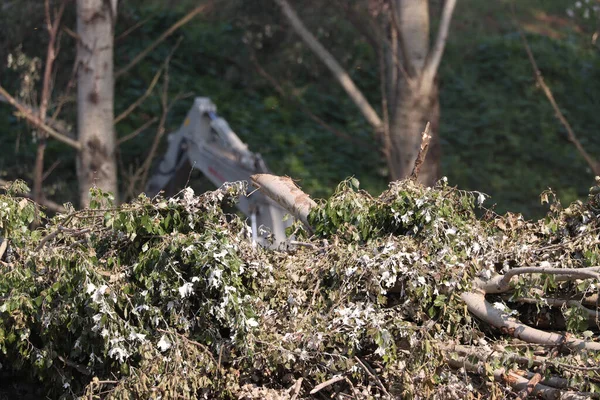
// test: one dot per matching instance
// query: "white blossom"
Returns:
(186, 290)
(164, 344)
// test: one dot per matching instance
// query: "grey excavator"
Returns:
(206, 142)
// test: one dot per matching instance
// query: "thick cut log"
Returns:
(284, 191)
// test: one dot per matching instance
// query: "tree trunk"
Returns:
(96, 165)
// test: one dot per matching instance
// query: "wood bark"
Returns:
(95, 97)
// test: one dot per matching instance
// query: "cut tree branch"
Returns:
(327, 58)
(284, 191)
(49, 204)
(482, 309)
(502, 283)
(425, 138)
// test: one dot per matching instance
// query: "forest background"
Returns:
(498, 132)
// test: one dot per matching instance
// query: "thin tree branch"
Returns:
(502, 283)
(340, 74)
(132, 28)
(35, 120)
(328, 382)
(187, 18)
(141, 99)
(52, 52)
(435, 55)
(593, 164)
(139, 130)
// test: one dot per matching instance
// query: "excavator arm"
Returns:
(207, 143)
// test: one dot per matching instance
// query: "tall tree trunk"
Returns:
(95, 97)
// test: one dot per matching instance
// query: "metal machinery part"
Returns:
(207, 143)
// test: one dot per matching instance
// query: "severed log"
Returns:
(284, 191)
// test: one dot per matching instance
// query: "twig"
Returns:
(425, 138)
(328, 382)
(132, 28)
(187, 18)
(139, 130)
(74, 232)
(593, 164)
(367, 368)
(193, 342)
(296, 388)
(50, 169)
(82, 369)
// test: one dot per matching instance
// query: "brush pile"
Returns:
(418, 293)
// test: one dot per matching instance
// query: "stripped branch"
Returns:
(425, 138)
(482, 309)
(502, 283)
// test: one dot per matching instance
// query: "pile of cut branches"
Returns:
(418, 293)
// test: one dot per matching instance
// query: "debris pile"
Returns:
(418, 293)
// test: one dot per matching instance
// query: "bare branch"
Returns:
(284, 191)
(35, 120)
(141, 99)
(325, 56)
(51, 54)
(502, 283)
(328, 382)
(425, 138)
(482, 309)
(187, 18)
(435, 55)
(593, 164)
(132, 28)
(139, 130)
